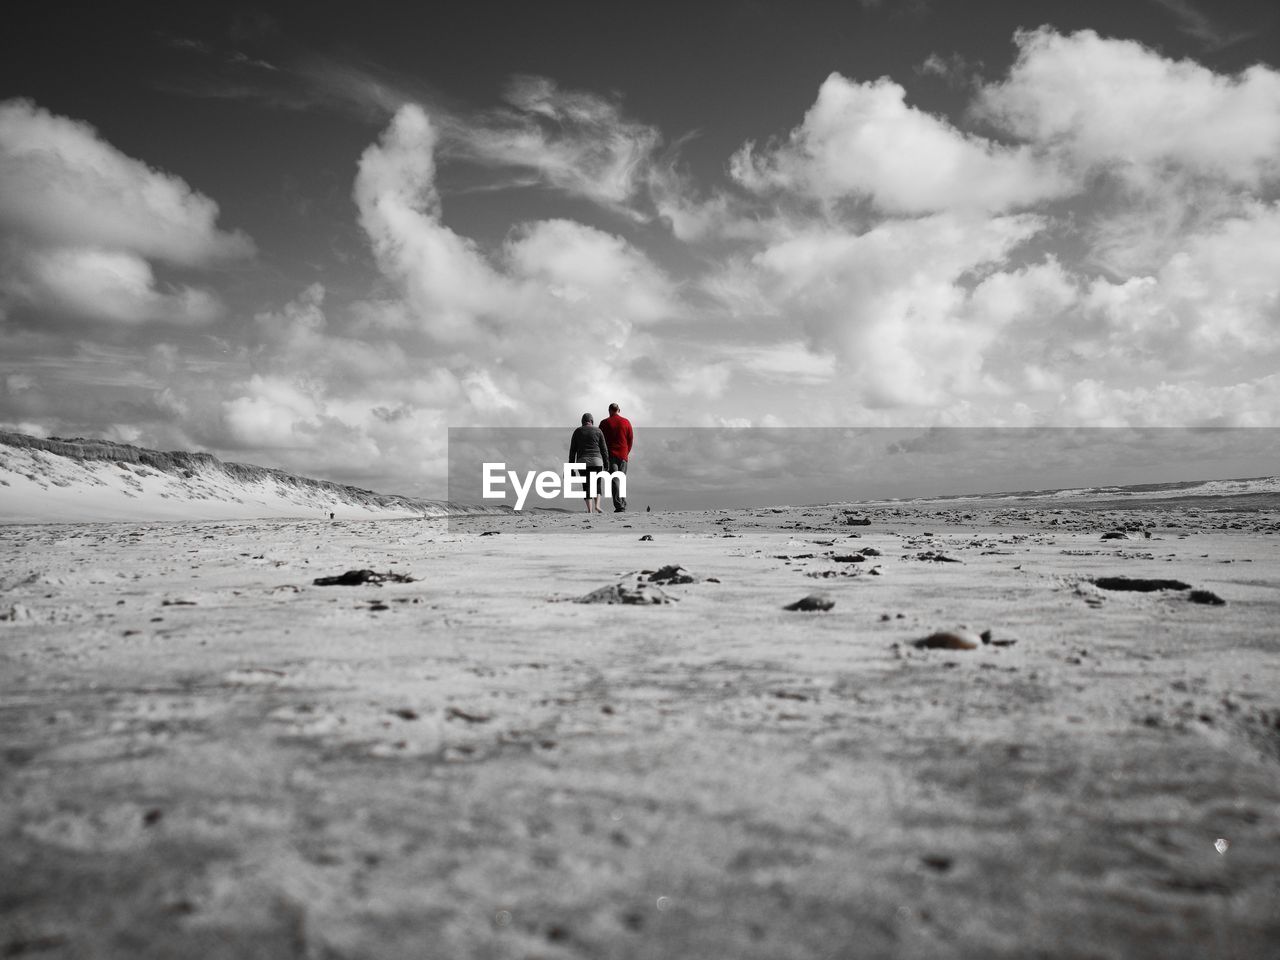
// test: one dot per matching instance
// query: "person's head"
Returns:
(587, 418)
(614, 408)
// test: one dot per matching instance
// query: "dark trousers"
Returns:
(615, 486)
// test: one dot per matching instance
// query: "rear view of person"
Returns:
(588, 447)
(617, 431)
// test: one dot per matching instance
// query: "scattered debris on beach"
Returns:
(547, 739)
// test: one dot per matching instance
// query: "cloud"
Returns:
(61, 185)
(546, 272)
(786, 362)
(573, 141)
(937, 303)
(457, 292)
(891, 301)
(1194, 22)
(576, 142)
(1210, 305)
(1090, 242)
(544, 323)
(692, 216)
(604, 282)
(275, 414)
(835, 265)
(448, 285)
(1246, 404)
(109, 285)
(83, 222)
(1117, 105)
(862, 140)
(955, 70)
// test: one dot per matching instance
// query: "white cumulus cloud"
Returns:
(1114, 103)
(864, 140)
(83, 223)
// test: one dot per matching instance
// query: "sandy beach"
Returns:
(928, 355)
(207, 754)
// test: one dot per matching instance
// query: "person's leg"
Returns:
(619, 501)
(593, 484)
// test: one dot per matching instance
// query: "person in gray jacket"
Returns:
(588, 447)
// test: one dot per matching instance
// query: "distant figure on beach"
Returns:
(330, 514)
(617, 431)
(588, 447)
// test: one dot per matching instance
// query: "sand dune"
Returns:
(95, 480)
(207, 754)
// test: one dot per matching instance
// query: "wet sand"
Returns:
(207, 755)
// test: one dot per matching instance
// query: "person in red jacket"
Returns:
(620, 439)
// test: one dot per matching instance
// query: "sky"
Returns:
(316, 236)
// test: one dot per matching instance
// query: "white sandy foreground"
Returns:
(206, 755)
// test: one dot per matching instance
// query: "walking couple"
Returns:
(603, 450)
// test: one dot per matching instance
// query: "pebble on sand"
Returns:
(961, 638)
(814, 601)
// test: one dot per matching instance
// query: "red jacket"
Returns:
(617, 433)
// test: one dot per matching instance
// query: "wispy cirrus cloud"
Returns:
(577, 142)
(1195, 22)
(572, 141)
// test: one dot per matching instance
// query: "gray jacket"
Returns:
(588, 446)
